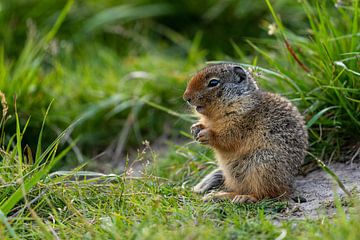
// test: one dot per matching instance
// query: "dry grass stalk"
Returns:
(3, 104)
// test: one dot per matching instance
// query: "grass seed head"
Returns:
(3, 104)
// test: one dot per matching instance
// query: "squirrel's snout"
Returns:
(187, 98)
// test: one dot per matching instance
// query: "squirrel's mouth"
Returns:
(200, 109)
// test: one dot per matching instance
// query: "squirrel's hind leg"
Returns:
(213, 180)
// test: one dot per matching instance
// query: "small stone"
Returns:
(299, 199)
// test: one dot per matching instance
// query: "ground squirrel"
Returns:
(259, 138)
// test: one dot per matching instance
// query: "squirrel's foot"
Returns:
(196, 128)
(232, 196)
(200, 133)
(204, 136)
(244, 199)
(219, 196)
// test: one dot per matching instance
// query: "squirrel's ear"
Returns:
(239, 71)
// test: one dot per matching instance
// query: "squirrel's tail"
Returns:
(213, 180)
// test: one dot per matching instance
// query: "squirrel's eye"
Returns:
(213, 83)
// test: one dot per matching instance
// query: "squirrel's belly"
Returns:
(240, 186)
(251, 183)
(235, 174)
(249, 177)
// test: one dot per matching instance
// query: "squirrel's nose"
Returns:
(187, 98)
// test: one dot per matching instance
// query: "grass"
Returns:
(117, 89)
(316, 67)
(152, 206)
(319, 71)
(118, 99)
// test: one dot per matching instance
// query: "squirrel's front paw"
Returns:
(196, 128)
(203, 136)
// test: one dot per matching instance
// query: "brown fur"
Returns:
(259, 138)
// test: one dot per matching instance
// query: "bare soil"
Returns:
(319, 190)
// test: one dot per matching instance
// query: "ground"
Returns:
(318, 189)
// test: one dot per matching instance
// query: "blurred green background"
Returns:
(138, 26)
(120, 68)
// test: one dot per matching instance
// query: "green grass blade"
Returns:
(25, 127)
(4, 220)
(124, 13)
(331, 173)
(38, 147)
(33, 180)
(318, 115)
(352, 99)
(276, 18)
(18, 139)
(55, 142)
(167, 110)
(355, 26)
(50, 35)
(11, 140)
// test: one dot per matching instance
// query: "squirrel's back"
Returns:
(271, 145)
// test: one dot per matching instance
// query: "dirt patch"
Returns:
(318, 189)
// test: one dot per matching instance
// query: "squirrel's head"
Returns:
(218, 84)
